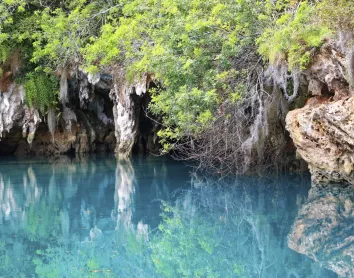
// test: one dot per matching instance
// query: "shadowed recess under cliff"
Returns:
(93, 117)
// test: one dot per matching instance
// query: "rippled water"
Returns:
(148, 217)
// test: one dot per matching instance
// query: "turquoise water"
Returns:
(147, 217)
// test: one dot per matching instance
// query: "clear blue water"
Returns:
(148, 217)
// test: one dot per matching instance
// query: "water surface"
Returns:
(148, 217)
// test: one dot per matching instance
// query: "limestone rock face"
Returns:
(323, 130)
(324, 228)
(24, 131)
(85, 134)
(324, 137)
(98, 113)
(127, 98)
(323, 133)
(126, 111)
(14, 113)
(327, 72)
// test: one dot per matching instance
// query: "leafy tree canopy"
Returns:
(199, 52)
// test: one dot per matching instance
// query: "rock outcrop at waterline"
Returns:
(126, 110)
(323, 130)
(97, 113)
(25, 132)
(323, 133)
(324, 137)
(13, 112)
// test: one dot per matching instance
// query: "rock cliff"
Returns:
(126, 97)
(24, 131)
(97, 113)
(322, 130)
(323, 133)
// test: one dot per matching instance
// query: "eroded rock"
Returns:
(327, 72)
(14, 113)
(323, 130)
(323, 133)
(85, 135)
(126, 110)
(324, 137)
(25, 131)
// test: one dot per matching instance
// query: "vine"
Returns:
(41, 91)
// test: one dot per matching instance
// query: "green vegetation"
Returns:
(59, 262)
(189, 46)
(293, 37)
(41, 91)
(302, 26)
(185, 244)
(202, 54)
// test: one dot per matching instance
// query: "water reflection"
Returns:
(124, 193)
(146, 217)
(63, 216)
(235, 230)
(324, 228)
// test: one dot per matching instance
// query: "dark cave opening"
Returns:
(10, 141)
(148, 126)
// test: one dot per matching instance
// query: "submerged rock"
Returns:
(95, 234)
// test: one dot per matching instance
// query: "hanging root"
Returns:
(258, 130)
(246, 135)
(237, 141)
(278, 73)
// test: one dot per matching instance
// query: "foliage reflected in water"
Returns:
(191, 247)
(232, 231)
(100, 218)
